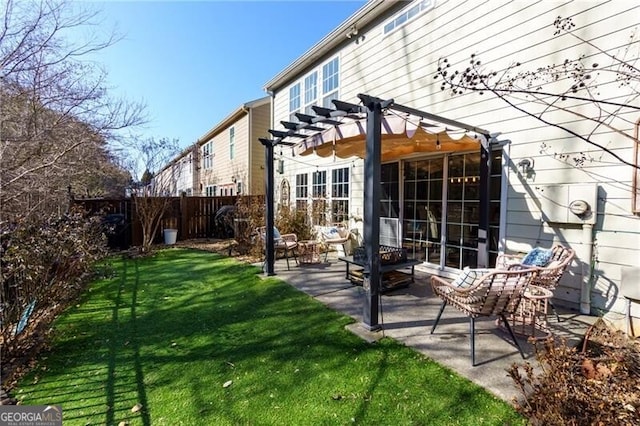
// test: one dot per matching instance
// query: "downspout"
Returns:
(587, 268)
(250, 159)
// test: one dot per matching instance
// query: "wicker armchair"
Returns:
(336, 235)
(286, 243)
(496, 293)
(549, 275)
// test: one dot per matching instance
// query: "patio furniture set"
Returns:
(517, 291)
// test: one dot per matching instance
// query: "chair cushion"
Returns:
(468, 277)
(537, 257)
(330, 233)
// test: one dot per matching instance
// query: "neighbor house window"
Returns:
(232, 142)
(330, 82)
(239, 188)
(414, 10)
(210, 190)
(310, 92)
(294, 102)
(207, 155)
(340, 195)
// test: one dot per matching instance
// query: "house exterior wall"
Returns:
(260, 123)
(402, 64)
(177, 176)
(238, 169)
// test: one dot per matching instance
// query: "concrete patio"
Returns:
(407, 315)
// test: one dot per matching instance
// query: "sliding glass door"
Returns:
(442, 209)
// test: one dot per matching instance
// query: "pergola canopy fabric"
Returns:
(402, 135)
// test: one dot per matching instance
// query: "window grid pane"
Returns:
(302, 185)
(319, 186)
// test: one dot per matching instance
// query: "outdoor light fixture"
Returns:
(527, 165)
(438, 146)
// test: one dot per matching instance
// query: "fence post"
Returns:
(184, 217)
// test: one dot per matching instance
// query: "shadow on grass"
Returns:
(168, 332)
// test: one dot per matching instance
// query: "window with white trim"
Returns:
(340, 195)
(294, 102)
(210, 190)
(310, 92)
(319, 198)
(414, 10)
(302, 191)
(232, 142)
(239, 188)
(207, 155)
(319, 184)
(330, 82)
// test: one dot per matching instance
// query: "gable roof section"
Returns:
(232, 118)
(363, 16)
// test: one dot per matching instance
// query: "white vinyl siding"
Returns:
(400, 64)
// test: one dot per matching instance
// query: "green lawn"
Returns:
(169, 333)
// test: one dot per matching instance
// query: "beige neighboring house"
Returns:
(179, 176)
(231, 156)
(430, 200)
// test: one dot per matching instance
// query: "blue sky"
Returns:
(193, 63)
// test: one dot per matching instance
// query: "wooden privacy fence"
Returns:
(193, 217)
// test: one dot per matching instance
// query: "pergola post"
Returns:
(371, 279)
(269, 199)
(485, 186)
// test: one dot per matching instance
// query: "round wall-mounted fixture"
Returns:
(579, 207)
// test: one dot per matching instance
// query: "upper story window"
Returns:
(320, 86)
(232, 142)
(330, 82)
(207, 155)
(310, 92)
(294, 101)
(414, 10)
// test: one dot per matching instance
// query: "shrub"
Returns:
(43, 266)
(597, 385)
(293, 221)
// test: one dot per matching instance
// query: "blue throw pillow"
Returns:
(276, 234)
(537, 257)
(468, 277)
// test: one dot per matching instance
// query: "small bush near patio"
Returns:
(189, 337)
(594, 384)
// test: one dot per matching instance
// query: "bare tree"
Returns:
(56, 116)
(572, 86)
(149, 191)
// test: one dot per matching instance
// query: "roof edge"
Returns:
(359, 19)
(229, 119)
